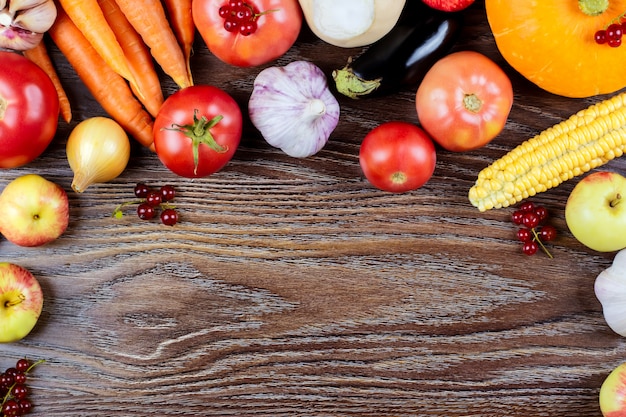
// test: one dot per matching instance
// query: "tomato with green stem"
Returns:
(248, 33)
(464, 100)
(397, 157)
(197, 131)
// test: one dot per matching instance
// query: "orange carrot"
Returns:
(138, 56)
(181, 19)
(105, 85)
(39, 55)
(89, 19)
(149, 19)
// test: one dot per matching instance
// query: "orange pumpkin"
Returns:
(551, 43)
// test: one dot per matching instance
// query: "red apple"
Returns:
(34, 210)
(21, 301)
(448, 5)
(613, 393)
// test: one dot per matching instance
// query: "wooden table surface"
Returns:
(293, 287)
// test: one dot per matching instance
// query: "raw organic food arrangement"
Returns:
(136, 60)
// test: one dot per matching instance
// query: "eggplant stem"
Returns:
(351, 85)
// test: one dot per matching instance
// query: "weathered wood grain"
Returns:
(293, 287)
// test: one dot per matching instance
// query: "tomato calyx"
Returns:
(200, 133)
(472, 103)
(398, 177)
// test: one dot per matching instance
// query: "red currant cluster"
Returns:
(239, 16)
(149, 201)
(534, 232)
(612, 34)
(13, 389)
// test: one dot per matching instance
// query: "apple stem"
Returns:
(15, 302)
(616, 200)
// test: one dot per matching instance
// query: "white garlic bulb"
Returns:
(610, 289)
(23, 22)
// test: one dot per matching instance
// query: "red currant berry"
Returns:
(526, 207)
(141, 190)
(145, 211)
(22, 365)
(11, 408)
(547, 233)
(6, 380)
(530, 220)
(541, 212)
(25, 405)
(231, 25)
(20, 378)
(524, 235)
(614, 31)
(235, 4)
(153, 198)
(530, 248)
(248, 28)
(244, 14)
(168, 192)
(19, 391)
(169, 217)
(600, 37)
(614, 43)
(224, 11)
(517, 217)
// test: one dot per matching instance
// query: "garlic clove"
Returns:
(38, 18)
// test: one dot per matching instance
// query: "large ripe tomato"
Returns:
(464, 101)
(29, 110)
(397, 157)
(197, 131)
(259, 31)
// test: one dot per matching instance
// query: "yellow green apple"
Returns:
(21, 301)
(34, 210)
(613, 393)
(595, 211)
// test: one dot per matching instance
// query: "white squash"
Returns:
(351, 23)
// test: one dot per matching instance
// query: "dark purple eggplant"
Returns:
(403, 56)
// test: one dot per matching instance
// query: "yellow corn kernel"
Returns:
(586, 140)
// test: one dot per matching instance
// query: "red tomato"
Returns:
(248, 33)
(397, 157)
(464, 101)
(29, 110)
(197, 131)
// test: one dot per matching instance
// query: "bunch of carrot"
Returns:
(112, 45)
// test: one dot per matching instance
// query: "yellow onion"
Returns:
(98, 150)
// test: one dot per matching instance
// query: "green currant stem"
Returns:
(117, 213)
(7, 396)
(538, 240)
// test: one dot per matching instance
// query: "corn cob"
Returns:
(588, 139)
